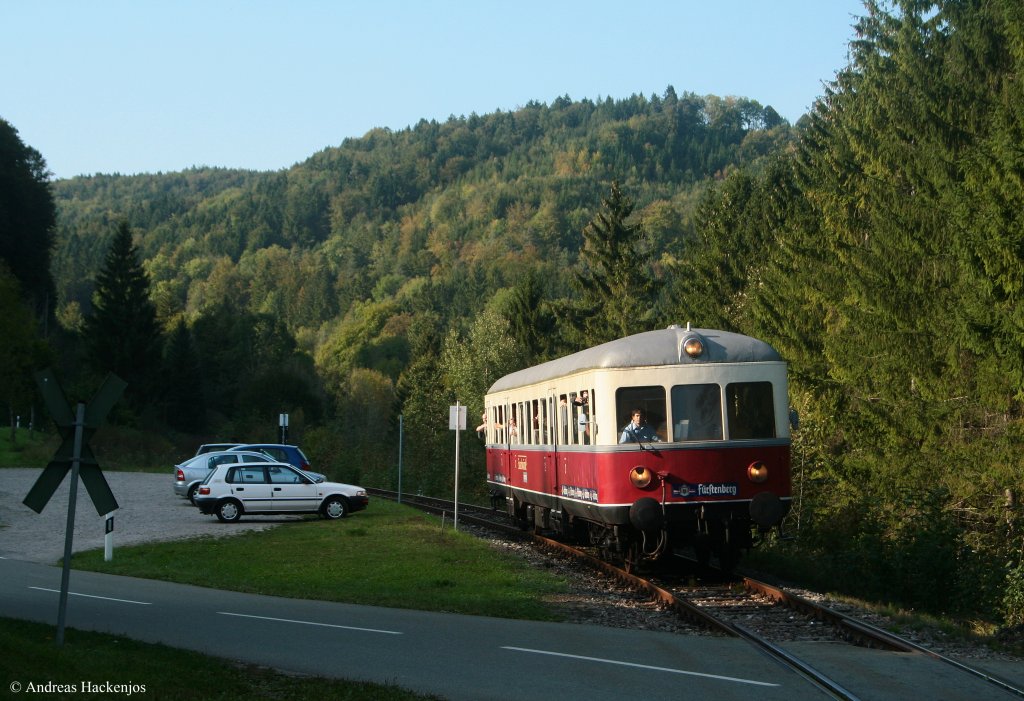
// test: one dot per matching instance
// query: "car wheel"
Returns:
(192, 494)
(229, 511)
(335, 508)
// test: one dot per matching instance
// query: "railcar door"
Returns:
(549, 421)
(505, 435)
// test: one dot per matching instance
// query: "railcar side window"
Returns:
(651, 403)
(514, 427)
(537, 417)
(697, 413)
(751, 410)
(580, 410)
(547, 431)
(563, 420)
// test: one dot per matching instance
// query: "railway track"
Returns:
(766, 616)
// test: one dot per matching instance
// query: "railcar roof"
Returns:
(648, 349)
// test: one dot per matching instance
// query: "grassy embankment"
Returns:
(387, 555)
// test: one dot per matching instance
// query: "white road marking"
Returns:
(639, 666)
(310, 623)
(92, 596)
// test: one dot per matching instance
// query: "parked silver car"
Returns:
(190, 473)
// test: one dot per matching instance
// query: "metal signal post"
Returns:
(74, 455)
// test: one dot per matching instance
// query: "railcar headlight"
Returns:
(757, 472)
(693, 347)
(641, 477)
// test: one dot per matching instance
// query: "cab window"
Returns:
(751, 410)
(651, 403)
(697, 412)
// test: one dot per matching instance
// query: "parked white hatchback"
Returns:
(230, 491)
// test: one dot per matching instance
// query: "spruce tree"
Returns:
(28, 216)
(122, 335)
(183, 397)
(21, 350)
(531, 322)
(617, 292)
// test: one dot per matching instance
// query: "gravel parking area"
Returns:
(149, 511)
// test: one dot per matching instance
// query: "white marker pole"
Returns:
(108, 537)
(458, 413)
(457, 422)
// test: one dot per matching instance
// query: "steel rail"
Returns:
(871, 635)
(688, 610)
(864, 633)
(697, 614)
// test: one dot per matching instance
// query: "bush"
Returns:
(1013, 596)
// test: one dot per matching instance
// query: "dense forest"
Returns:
(878, 244)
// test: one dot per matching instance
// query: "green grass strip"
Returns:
(389, 555)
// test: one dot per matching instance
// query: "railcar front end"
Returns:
(705, 465)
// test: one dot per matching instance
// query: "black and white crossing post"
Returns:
(74, 455)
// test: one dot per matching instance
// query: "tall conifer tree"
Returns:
(182, 379)
(617, 291)
(28, 216)
(530, 320)
(122, 335)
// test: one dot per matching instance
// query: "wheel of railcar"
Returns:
(728, 557)
(702, 548)
(631, 558)
(580, 531)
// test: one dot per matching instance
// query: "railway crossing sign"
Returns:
(74, 454)
(75, 432)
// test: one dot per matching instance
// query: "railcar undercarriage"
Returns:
(719, 533)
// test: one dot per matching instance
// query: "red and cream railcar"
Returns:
(709, 462)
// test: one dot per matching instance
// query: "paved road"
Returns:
(462, 658)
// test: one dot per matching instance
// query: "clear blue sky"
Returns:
(133, 86)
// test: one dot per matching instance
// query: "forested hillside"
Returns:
(878, 244)
(366, 255)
